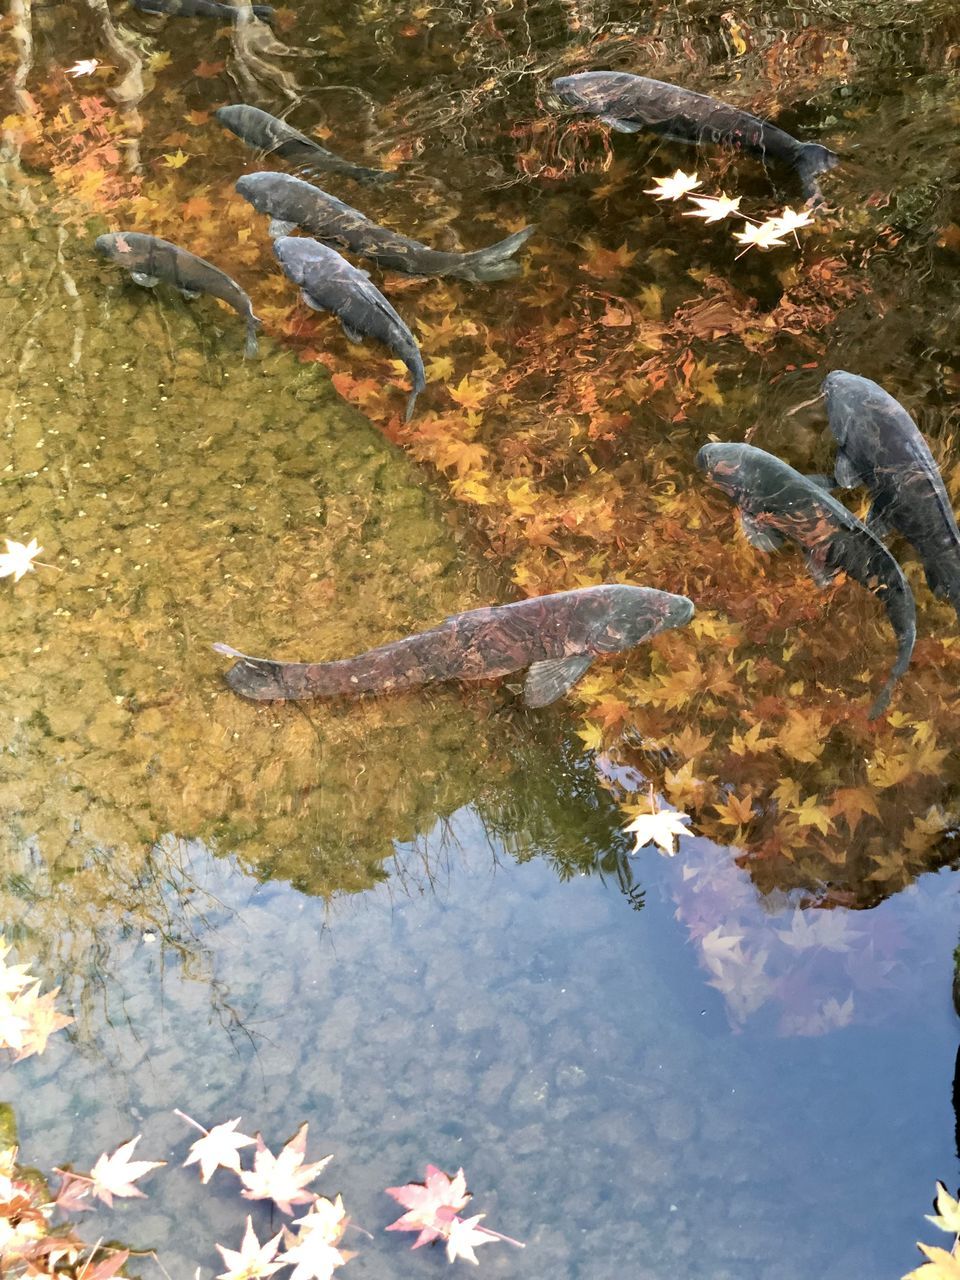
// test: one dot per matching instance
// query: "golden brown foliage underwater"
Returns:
(564, 408)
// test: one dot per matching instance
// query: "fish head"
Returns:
(258, 188)
(633, 614)
(588, 91)
(232, 117)
(726, 466)
(106, 245)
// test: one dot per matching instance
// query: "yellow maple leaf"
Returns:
(941, 1265)
(591, 735)
(736, 811)
(947, 1217)
(439, 369)
(809, 813)
(157, 61)
(177, 160)
(470, 393)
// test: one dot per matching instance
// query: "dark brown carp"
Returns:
(265, 133)
(150, 260)
(330, 283)
(778, 504)
(880, 447)
(199, 9)
(556, 637)
(630, 103)
(290, 202)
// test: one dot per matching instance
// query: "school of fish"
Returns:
(555, 638)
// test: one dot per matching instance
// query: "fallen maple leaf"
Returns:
(18, 559)
(43, 1019)
(790, 219)
(115, 1175)
(766, 235)
(662, 828)
(463, 1237)
(941, 1265)
(218, 1149)
(253, 1259)
(207, 70)
(282, 1178)
(947, 1217)
(176, 160)
(85, 67)
(431, 1204)
(312, 1251)
(675, 187)
(713, 208)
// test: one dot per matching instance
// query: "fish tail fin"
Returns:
(419, 381)
(251, 347)
(495, 262)
(902, 612)
(813, 159)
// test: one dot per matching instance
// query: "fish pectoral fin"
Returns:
(759, 537)
(621, 126)
(190, 295)
(143, 280)
(848, 477)
(821, 573)
(550, 679)
(279, 228)
(309, 301)
(354, 335)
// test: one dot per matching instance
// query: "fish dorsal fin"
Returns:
(550, 679)
(821, 573)
(848, 477)
(759, 537)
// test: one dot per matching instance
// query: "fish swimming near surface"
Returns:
(150, 260)
(632, 103)
(291, 202)
(778, 504)
(556, 637)
(880, 447)
(330, 283)
(264, 132)
(199, 9)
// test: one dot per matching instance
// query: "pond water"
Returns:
(417, 922)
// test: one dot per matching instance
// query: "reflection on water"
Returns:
(557, 1045)
(770, 1026)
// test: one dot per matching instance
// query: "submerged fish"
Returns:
(266, 133)
(150, 260)
(329, 283)
(778, 504)
(556, 637)
(880, 446)
(199, 9)
(291, 202)
(631, 103)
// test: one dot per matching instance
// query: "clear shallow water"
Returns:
(716, 1083)
(558, 1045)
